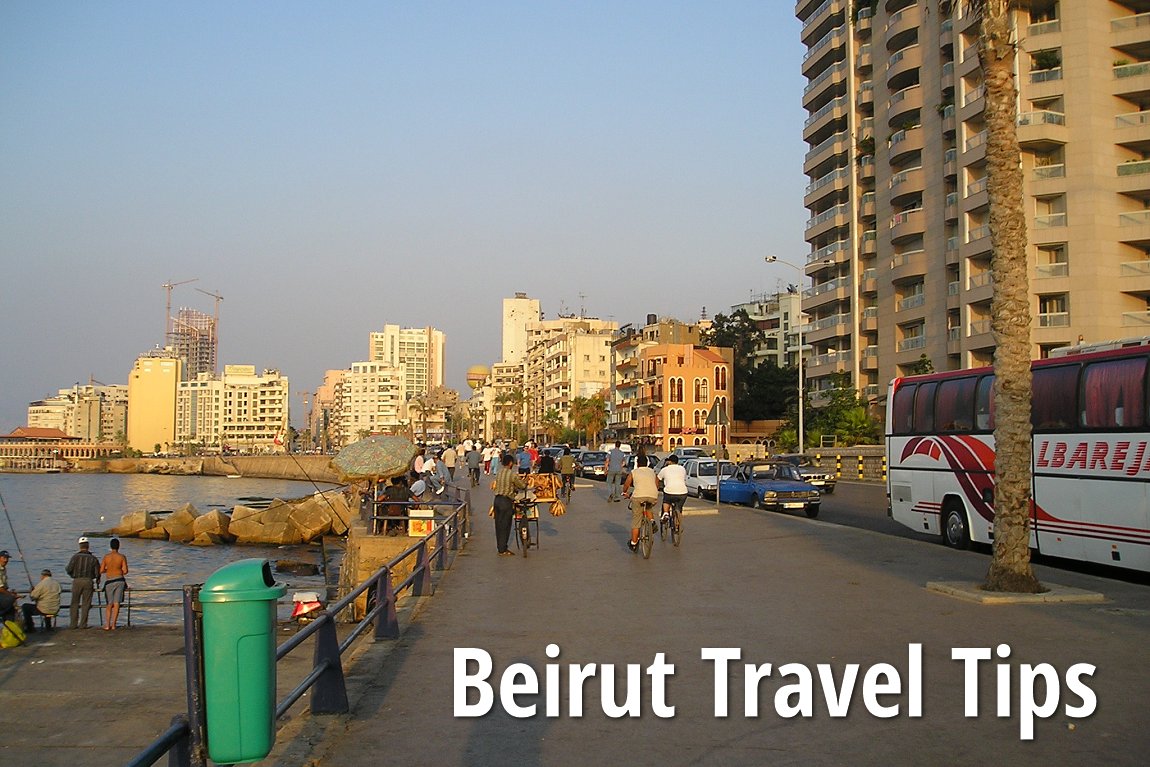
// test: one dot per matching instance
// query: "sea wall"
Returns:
(314, 468)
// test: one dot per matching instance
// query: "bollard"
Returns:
(884, 468)
(818, 460)
(860, 468)
(838, 466)
(239, 608)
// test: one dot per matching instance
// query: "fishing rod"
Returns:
(16, 540)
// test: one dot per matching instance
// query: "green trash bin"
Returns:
(239, 607)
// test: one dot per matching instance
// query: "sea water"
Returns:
(48, 512)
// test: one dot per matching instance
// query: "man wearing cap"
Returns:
(84, 570)
(45, 598)
(7, 596)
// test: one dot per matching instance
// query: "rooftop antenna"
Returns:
(582, 311)
(168, 328)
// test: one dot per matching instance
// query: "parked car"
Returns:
(823, 479)
(555, 451)
(687, 453)
(592, 463)
(774, 486)
(633, 460)
(703, 475)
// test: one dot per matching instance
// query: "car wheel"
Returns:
(761, 502)
(812, 510)
(830, 489)
(955, 533)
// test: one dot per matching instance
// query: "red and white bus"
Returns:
(1090, 457)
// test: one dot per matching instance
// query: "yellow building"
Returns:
(152, 388)
(677, 386)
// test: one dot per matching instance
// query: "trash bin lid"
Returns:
(247, 580)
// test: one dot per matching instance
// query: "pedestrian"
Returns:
(114, 569)
(490, 456)
(8, 597)
(45, 598)
(449, 458)
(616, 460)
(473, 460)
(396, 495)
(507, 483)
(533, 449)
(523, 457)
(84, 570)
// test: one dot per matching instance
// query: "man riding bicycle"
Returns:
(673, 479)
(567, 471)
(642, 487)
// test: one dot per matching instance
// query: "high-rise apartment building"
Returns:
(193, 337)
(369, 399)
(419, 351)
(567, 358)
(92, 412)
(152, 388)
(899, 214)
(777, 315)
(518, 313)
(239, 411)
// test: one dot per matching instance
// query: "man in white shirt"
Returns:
(673, 480)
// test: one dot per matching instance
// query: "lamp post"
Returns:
(799, 332)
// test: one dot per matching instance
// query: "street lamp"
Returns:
(799, 331)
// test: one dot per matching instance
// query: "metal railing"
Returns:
(184, 741)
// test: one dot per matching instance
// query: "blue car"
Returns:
(770, 486)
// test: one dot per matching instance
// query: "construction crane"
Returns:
(215, 326)
(168, 307)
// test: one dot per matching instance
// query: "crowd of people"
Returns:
(44, 599)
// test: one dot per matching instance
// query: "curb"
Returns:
(972, 591)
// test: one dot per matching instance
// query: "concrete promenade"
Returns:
(781, 589)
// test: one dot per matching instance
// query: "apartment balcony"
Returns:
(864, 21)
(868, 320)
(946, 77)
(952, 294)
(907, 225)
(1130, 33)
(831, 183)
(833, 291)
(869, 359)
(864, 59)
(1134, 178)
(977, 242)
(1044, 29)
(907, 265)
(904, 105)
(975, 195)
(952, 252)
(1049, 227)
(974, 148)
(1134, 227)
(869, 283)
(826, 328)
(867, 207)
(949, 122)
(868, 242)
(950, 162)
(865, 94)
(817, 89)
(911, 344)
(902, 27)
(1054, 320)
(1134, 277)
(968, 61)
(825, 364)
(1042, 130)
(866, 167)
(946, 34)
(826, 150)
(804, 9)
(821, 52)
(1132, 81)
(973, 103)
(904, 143)
(833, 252)
(1132, 129)
(1048, 179)
(978, 335)
(979, 288)
(950, 208)
(903, 66)
(906, 184)
(827, 221)
(1139, 320)
(821, 120)
(820, 17)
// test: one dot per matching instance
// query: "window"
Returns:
(1113, 394)
(902, 420)
(701, 393)
(924, 407)
(954, 405)
(1052, 399)
(720, 379)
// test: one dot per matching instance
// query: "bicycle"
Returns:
(646, 528)
(526, 524)
(672, 521)
(568, 486)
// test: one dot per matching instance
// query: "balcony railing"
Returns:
(1132, 119)
(826, 109)
(1042, 117)
(1122, 71)
(1134, 218)
(1046, 75)
(951, 243)
(1135, 268)
(826, 287)
(975, 187)
(827, 250)
(1050, 171)
(830, 178)
(952, 288)
(914, 342)
(1054, 320)
(902, 176)
(979, 280)
(826, 75)
(975, 141)
(1060, 269)
(822, 43)
(1134, 168)
(912, 302)
(903, 217)
(828, 215)
(978, 232)
(1045, 28)
(1050, 221)
(978, 327)
(1135, 319)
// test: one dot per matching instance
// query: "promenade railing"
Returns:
(184, 742)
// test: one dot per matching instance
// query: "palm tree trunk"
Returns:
(1010, 308)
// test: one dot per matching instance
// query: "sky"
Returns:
(329, 168)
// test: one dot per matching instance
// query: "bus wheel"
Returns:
(955, 533)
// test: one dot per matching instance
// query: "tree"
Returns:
(552, 424)
(739, 333)
(765, 392)
(589, 415)
(921, 366)
(1010, 305)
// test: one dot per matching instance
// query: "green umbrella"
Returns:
(377, 457)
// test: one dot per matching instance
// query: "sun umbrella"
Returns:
(376, 457)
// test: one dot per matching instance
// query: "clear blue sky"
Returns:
(332, 167)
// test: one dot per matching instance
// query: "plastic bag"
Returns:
(11, 634)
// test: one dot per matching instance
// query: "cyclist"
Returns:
(567, 470)
(642, 487)
(673, 481)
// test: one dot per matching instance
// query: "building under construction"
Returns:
(193, 337)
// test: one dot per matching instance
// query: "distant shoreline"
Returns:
(307, 468)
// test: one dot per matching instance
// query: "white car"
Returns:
(703, 475)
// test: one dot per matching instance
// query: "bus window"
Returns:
(903, 410)
(984, 404)
(1113, 394)
(954, 405)
(1053, 397)
(924, 408)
